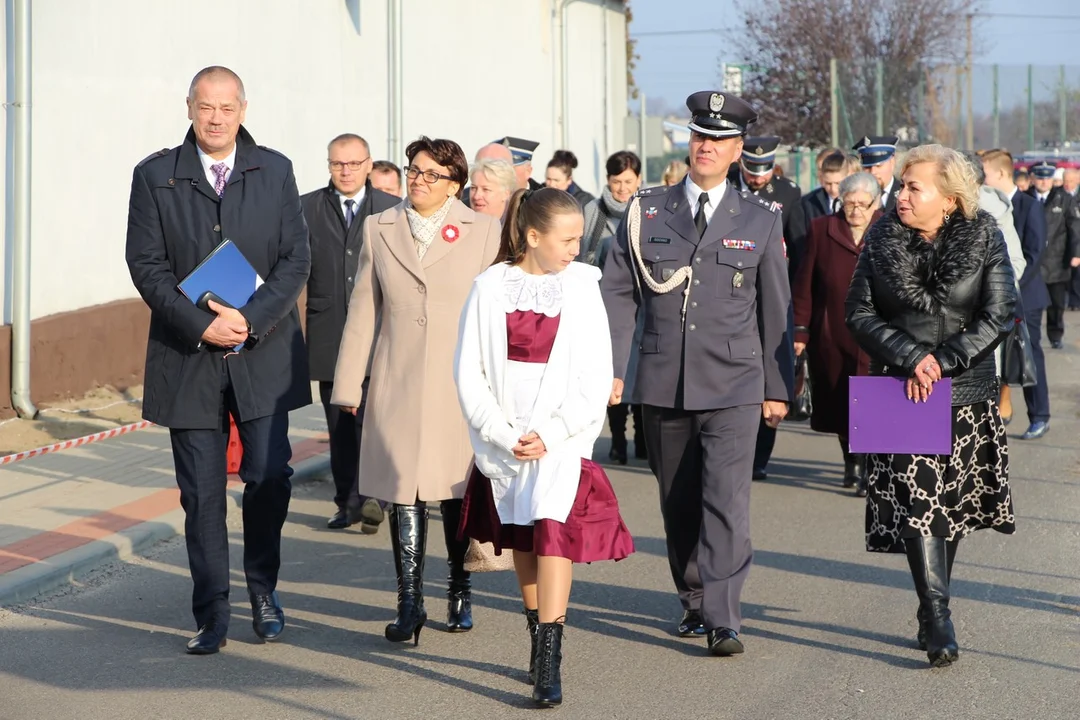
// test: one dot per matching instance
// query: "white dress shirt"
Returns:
(1042, 196)
(693, 192)
(358, 198)
(207, 162)
(886, 192)
(1012, 193)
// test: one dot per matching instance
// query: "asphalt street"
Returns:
(829, 628)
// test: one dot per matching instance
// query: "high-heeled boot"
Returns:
(458, 582)
(532, 622)
(547, 688)
(862, 480)
(928, 560)
(849, 465)
(408, 537)
(950, 556)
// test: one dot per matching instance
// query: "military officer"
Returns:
(878, 156)
(705, 264)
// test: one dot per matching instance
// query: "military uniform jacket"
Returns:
(175, 219)
(733, 348)
(1062, 235)
(787, 195)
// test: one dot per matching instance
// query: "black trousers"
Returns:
(764, 445)
(345, 432)
(617, 416)
(1074, 290)
(703, 462)
(1037, 398)
(1055, 314)
(199, 457)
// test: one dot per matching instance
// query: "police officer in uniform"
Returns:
(878, 156)
(705, 264)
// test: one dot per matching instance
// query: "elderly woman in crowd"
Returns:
(560, 175)
(932, 296)
(493, 182)
(832, 248)
(417, 264)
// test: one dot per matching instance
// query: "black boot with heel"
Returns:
(532, 623)
(408, 537)
(928, 560)
(458, 582)
(547, 688)
(924, 623)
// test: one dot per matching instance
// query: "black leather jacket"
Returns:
(952, 298)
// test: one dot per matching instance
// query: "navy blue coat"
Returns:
(1030, 225)
(175, 219)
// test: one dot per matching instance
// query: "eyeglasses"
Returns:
(849, 206)
(353, 165)
(430, 176)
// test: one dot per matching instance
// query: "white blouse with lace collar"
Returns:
(541, 294)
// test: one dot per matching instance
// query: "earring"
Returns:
(946, 217)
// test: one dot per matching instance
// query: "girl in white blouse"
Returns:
(534, 373)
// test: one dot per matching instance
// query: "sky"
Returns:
(674, 66)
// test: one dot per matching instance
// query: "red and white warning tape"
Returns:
(75, 442)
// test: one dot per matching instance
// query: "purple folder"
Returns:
(882, 419)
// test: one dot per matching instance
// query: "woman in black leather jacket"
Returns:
(931, 298)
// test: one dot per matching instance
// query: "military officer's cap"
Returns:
(719, 114)
(521, 150)
(1044, 169)
(759, 154)
(876, 149)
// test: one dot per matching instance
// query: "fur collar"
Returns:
(922, 274)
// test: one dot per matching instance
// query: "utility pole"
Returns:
(970, 139)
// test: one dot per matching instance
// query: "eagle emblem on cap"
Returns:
(716, 102)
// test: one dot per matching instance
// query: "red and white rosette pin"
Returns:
(450, 233)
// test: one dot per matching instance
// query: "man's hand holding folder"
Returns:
(228, 329)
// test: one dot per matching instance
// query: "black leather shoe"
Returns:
(617, 456)
(371, 516)
(760, 474)
(928, 560)
(1057, 344)
(692, 624)
(209, 639)
(268, 618)
(458, 581)
(344, 518)
(724, 642)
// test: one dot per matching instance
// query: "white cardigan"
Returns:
(571, 407)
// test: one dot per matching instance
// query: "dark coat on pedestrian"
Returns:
(1030, 225)
(1062, 215)
(952, 298)
(818, 296)
(584, 197)
(787, 196)
(335, 255)
(815, 204)
(175, 219)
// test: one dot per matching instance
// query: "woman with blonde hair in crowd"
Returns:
(932, 296)
(674, 173)
(492, 184)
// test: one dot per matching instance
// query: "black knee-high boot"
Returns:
(532, 623)
(459, 583)
(408, 537)
(928, 559)
(950, 556)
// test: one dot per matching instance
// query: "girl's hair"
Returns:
(564, 160)
(535, 210)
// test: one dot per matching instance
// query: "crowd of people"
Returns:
(471, 330)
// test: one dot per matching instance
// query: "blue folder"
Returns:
(224, 273)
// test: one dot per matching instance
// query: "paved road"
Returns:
(828, 627)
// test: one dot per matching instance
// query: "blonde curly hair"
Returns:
(955, 176)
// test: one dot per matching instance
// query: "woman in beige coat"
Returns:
(416, 269)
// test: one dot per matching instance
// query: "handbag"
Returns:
(1017, 360)
(803, 407)
(481, 557)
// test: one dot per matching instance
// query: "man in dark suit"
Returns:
(1030, 225)
(335, 215)
(825, 200)
(878, 156)
(218, 184)
(704, 263)
(1062, 246)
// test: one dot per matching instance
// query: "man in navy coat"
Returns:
(218, 184)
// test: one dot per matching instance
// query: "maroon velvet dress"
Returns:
(594, 530)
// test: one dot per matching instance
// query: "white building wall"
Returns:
(110, 79)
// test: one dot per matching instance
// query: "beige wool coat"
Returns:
(403, 320)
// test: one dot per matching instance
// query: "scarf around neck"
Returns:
(424, 229)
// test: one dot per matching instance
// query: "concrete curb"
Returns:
(26, 583)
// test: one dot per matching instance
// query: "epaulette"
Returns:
(788, 180)
(160, 153)
(653, 191)
(759, 201)
(272, 150)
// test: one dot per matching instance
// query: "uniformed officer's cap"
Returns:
(1044, 169)
(876, 149)
(759, 154)
(719, 114)
(521, 150)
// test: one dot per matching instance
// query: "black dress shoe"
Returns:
(209, 639)
(1057, 344)
(692, 624)
(343, 518)
(724, 642)
(760, 474)
(268, 618)
(618, 456)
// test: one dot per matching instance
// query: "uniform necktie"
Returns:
(700, 222)
(219, 177)
(350, 214)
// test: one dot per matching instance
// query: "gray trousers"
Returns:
(703, 462)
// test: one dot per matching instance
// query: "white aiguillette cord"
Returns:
(683, 274)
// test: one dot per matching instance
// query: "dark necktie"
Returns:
(699, 220)
(835, 206)
(350, 214)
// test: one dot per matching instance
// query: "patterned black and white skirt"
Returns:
(945, 496)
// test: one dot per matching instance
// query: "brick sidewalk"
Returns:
(65, 513)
